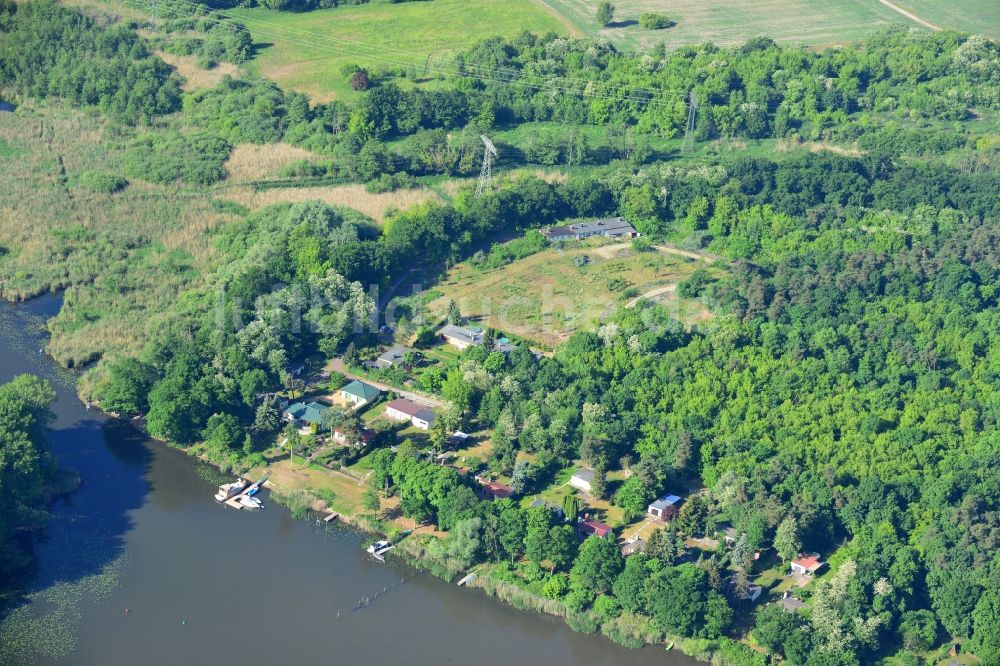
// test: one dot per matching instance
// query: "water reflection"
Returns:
(206, 584)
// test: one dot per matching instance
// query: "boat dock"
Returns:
(234, 501)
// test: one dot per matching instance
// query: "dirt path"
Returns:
(337, 365)
(608, 252)
(910, 15)
(651, 293)
(574, 30)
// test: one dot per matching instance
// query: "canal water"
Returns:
(142, 566)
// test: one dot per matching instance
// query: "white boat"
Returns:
(227, 490)
(249, 502)
(378, 546)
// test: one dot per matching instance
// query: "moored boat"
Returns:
(227, 490)
(248, 502)
(252, 490)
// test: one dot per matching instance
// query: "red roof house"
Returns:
(587, 527)
(495, 489)
(807, 565)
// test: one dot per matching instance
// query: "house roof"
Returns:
(367, 435)
(425, 415)
(634, 546)
(607, 225)
(584, 475)
(471, 336)
(412, 409)
(310, 412)
(664, 502)
(497, 489)
(790, 603)
(393, 355)
(809, 562)
(405, 406)
(595, 527)
(361, 390)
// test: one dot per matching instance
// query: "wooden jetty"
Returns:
(234, 501)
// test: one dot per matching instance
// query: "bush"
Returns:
(198, 158)
(632, 630)
(585, 623)
(105, 183)
(617, 284)
(652, 21)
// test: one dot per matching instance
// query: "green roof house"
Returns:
(358, 393)
(306, 413)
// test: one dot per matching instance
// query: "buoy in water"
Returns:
(184, 621)
(126, 611)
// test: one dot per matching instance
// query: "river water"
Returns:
(205, 584)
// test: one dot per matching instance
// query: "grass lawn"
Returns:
(293, 477)
(725, 22)
(546, 297)
(307, 50)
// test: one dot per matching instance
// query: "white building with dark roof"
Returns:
(608, 227)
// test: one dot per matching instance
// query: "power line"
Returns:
(550, 83)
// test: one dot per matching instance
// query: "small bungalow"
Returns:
(458, 439)
(609, 227)
(634, 545)
(807, 565)
(751, 593)
(305, 414)
(586, 527)
(664, 508)
(582, 480)
(790, 603)
(402, 409)
(461, 337)
(366, 437)
(358, 393)
(495, 489)
(391, 357)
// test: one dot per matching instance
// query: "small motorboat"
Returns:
(227, 490)
(377, 546)
(248, 502)
(252, 490)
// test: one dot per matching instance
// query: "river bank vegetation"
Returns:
(841, 399)
(29, 478)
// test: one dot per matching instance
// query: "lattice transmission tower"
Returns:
(486, 174)
(692, 117)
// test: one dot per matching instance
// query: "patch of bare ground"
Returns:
(788, 145)
(195, 77)
(252, 162)
(375, 206)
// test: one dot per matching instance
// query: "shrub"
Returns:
(166, 157)
(585, 623)
(652, 21)
(105, 183)
(632, 630)
(617, 284)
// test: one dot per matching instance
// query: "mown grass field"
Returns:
(306, 51)
(812, 22)
(979, 16)
(550, 295)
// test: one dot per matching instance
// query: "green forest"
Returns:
(844, 399)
